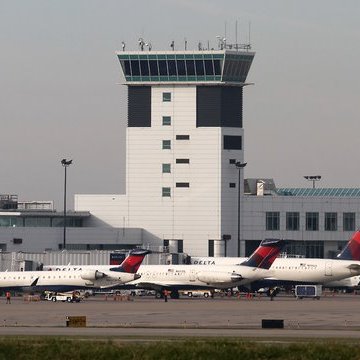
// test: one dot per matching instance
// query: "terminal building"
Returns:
(185, 186)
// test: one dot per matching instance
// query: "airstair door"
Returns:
(328, 268)
(192, 275)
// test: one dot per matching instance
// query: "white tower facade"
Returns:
(184, 137)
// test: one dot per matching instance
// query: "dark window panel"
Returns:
(190, 67)
(232, 161)
(182, 184)
(183, 161)
(181, 67)
(144, 66)
(211, 248)
(139, 106)
(217, 67)
(199, 64)
(209, 69)
(172, 67)
(127, 68)
(182, 137)
(232, 142)
(135, 68)
(154, 71)
(232, 185)
(163, 68)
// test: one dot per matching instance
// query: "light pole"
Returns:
(313, 178)
(239, 165)
(65, 163)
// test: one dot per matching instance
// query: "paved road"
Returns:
(332, 316)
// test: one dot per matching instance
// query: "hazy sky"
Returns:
(60, 95)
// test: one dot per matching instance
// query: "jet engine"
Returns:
(212, 277)
(92, 275)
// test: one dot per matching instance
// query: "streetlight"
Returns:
(239, 165)
(313, 178)
(65, 163)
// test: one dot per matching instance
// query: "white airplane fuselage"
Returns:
(186, 276)
(63, 281)
(306, 270)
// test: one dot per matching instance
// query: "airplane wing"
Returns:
(34, 283)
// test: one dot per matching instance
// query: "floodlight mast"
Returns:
(65, 163)
(313, 178)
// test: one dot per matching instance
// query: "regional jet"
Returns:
(288, 271)
(91, 277)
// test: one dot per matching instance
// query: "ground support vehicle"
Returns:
(68, 297)
(308, 291)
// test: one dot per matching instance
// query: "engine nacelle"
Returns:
(213, 277)
(92, 275)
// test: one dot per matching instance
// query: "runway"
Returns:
(331, 317)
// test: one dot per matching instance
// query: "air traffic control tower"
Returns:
(184, 138)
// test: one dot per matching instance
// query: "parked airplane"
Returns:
(91, 277)
(350, 252)
(301, 270)
(182, 277)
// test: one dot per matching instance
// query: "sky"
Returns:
(61, 94)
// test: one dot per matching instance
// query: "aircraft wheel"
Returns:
(206, 295)
(68, 299)
(189, 294)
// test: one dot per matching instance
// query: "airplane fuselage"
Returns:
(305, 270)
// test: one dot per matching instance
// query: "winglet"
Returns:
(264, 256)
(132, 262)
(352, 249)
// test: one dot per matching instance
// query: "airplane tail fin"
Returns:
(132, 262)
(352, 249)
(264, 256)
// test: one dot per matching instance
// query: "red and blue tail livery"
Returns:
(264, 256)
(132, 262)
(352, 249)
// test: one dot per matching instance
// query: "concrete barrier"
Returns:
(76, 321)
(272, 324)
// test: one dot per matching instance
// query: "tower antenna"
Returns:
(249, 32)
(236, 33)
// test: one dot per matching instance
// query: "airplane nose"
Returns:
(137, 276)
(235, 277)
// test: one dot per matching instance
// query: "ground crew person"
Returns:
(8, 297)
(166, 293)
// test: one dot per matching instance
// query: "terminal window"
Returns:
(330, 221)
(183, 161)
(166, 120)
(166, 96)
(312, 221)
(166, 168)
(349, 221)
(292, 221)
(273, 220)
(166, 192)
(166, 144)
(182, 137)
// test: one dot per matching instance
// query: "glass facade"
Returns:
(188, 67)
(39, 221)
